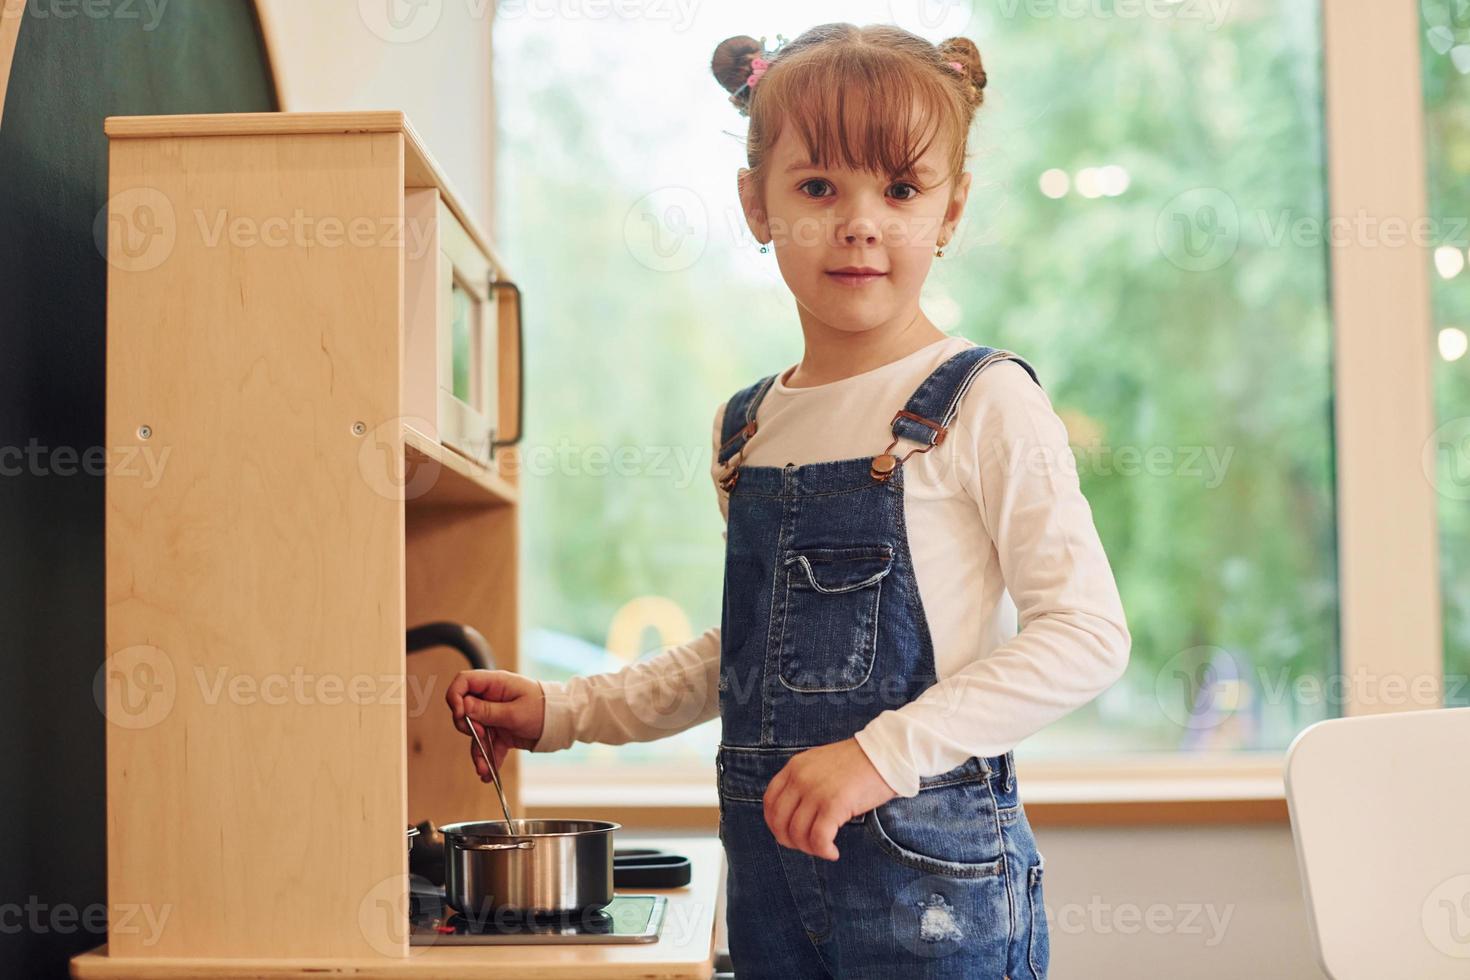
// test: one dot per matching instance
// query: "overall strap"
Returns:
(932, 406)
(738, 424)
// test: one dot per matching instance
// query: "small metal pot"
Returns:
(546, 867)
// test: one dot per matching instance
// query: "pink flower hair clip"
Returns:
(758, 66)
(957, 67)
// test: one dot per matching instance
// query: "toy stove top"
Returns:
(631, 916)
(628, 918)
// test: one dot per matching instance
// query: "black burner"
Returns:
(626, 919)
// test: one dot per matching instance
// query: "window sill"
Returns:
(1138, 791)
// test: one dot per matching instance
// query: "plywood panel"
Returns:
(255, 604)
(461, 567)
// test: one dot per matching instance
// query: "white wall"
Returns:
(430, 58)
(1225, 902)
(1127, 903)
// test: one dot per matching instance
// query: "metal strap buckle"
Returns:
(885, 462)
(727, 482)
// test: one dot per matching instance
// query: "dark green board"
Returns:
(76, 62)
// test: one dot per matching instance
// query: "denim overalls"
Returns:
(822, 629)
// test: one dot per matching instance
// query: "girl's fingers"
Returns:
(500, 751)
(481, 684)
(801, 826)
(479, 761)
(778, 814)
(489, 714)
(824, 837)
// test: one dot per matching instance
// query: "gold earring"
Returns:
(939, 252)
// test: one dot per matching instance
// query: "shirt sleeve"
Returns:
(1072, 641)
(652, 698)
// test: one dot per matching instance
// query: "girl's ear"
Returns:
(957, 199)
(755, 216)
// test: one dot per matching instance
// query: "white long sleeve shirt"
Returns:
(999, 531)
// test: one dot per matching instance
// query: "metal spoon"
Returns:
(490, 761)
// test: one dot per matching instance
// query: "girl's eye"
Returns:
(819, 181)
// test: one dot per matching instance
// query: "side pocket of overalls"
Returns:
(1038, 954)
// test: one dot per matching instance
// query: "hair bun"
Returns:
(732, 58)
(963, 50)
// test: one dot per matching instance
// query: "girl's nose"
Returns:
(861, 230)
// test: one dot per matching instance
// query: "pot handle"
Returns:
(494, 847)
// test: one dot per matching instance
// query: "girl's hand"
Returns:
(509, 703)
(818, 791)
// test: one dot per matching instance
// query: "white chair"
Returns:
(1380, 813)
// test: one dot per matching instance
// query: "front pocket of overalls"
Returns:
(829, 631)
(946, 829)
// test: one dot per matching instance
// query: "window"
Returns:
(1147, 225)
(1446, 57)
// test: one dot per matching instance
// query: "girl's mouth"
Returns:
(855, 277)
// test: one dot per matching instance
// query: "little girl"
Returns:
(893, 503)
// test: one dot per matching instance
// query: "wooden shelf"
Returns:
(459, 481)
(289, 536)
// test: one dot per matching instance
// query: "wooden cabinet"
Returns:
(291, 510)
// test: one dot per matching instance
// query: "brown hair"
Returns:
(843, 88)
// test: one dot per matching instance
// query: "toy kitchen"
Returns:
(327, 352)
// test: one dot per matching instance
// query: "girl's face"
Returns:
(825, 220)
